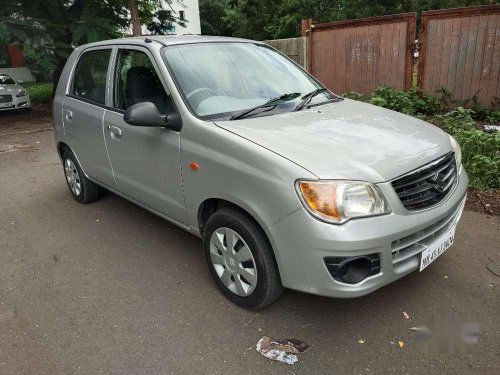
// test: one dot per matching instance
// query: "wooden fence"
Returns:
(460, 51)
(295, 48)
(361, 55)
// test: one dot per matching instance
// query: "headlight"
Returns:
(338, 201)
(22, 93)
(457, 151)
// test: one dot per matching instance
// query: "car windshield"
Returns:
(223, 80)
(6, 80)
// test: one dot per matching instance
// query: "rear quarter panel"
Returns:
(60, 97)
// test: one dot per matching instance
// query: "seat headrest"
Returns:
(141, 83)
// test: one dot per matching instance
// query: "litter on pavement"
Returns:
(281, 350)
(490, 127)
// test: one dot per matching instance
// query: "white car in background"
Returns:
(12, 95)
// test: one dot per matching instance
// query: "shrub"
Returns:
(458, 119)
(483, 112)
(480, 150)
(493, 117)
(480, 157)
(40, 92)
(353, 95)
(413, 102)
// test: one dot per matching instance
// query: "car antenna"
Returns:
(149, 40)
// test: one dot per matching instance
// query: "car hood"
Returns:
(8, 89)
(347, 140)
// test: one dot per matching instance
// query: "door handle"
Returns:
(69, 115)
(115, 130)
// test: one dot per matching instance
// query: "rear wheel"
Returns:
(83, 190)
(241, 260)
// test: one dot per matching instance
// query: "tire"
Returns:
(82, 189)
(254, 283)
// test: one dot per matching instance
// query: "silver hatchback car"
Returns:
(287, 184)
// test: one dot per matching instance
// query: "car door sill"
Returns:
(180, 225)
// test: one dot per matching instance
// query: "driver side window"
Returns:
(136, 81)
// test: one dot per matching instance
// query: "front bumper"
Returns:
(301, 243)
(23, 102)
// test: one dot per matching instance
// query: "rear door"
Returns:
(146, 160)
(83, 113)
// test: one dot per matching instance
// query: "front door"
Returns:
(145, 160)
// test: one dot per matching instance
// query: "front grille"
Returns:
(415, 243)
(427, 185)
(5, 98)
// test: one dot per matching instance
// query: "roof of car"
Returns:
(171, 40)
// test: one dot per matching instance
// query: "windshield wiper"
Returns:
(306, 99)
(270, 103)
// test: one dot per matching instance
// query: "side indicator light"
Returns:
(194, 166)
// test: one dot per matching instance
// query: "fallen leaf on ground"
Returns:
(361, 341)
(401, 344)
(405, 314)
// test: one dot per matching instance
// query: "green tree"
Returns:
(58, 26)
(257, 19)
(65, 23)
(212, 13)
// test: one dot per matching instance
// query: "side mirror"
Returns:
(20, 81)
(146, 114)
(174, 121)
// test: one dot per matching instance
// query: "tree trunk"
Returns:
(134, 18)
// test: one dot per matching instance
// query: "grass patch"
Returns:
(40, 92)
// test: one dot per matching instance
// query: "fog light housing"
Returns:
(352, 270)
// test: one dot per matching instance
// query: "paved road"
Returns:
(109, 288)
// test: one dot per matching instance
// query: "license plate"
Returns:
(430, 254)
(3, 105)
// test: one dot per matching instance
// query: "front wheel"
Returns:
(241, 260)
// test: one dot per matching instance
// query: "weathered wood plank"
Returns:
(431, 47)
(294, 48)
(452, 68)
(478, 55)
(495, 64)
(469, 58)
(487, 58)
(363, 54)
(461, 53)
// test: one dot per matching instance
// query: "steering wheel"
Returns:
(195, 97)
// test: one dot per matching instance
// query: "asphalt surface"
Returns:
(110, 288)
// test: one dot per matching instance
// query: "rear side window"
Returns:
(89, 81)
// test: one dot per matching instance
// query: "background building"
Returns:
(186, 12)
